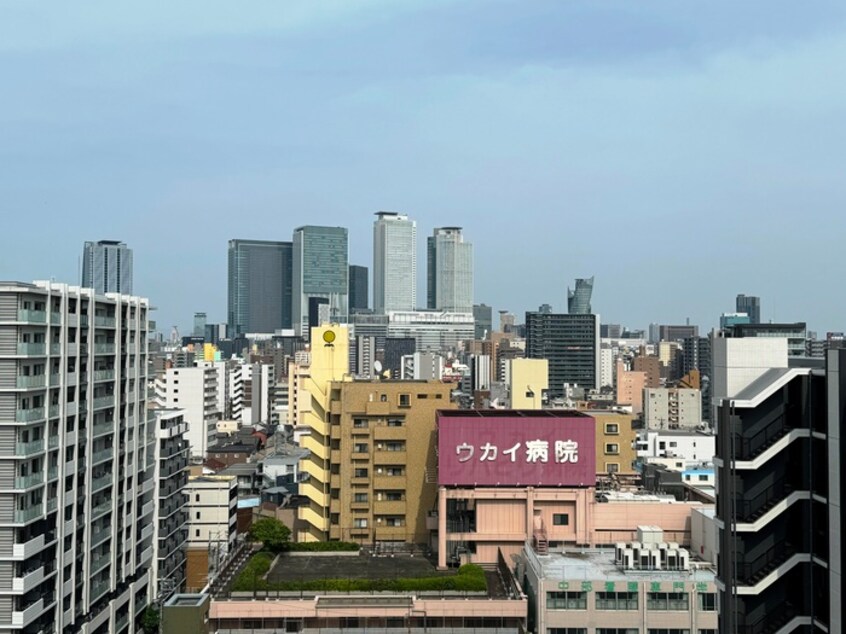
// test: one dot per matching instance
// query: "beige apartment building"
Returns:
(383, 463)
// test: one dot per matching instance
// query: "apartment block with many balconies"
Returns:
(76, 458)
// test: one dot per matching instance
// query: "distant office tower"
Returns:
(449, 271)
(571, 345)
(259, 286)
(76, 515)
(578, 299)
(395, 349)
(750, 305)
(483, 318)
(394, 262)
(358, 288)
(107, 267)
(779, 480)
(676, 333)
(321, 270)
(200, 325)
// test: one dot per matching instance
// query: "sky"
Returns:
(680, 152)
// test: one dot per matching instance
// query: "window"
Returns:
(198, 515)
(612, 428)
(708, 601)
(359, 423)
(394, 521)
(560, 519)
(566, 600)
(360, 497)
(703, 478)
(673, 443)
(405, 400)
(612, 448)
(360, 522)
(667, 601)
(616, 600)
(393, 471)
(668, 630)
(393, 496)
(566, 630)
(707, 631)
(422, 396)
(617, 630)
(612, 467)
(394, 422)
(360, 447)
(360, 473)
(396, 445)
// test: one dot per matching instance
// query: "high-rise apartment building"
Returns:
(193, 390)
(571, 345)
(358, 288)
(76, 460)
(578, 299)
(750, 305)
(170, 515)
(449, 271)
(779, 478)
(260, 286)
(394, 262)
(321, 272)
(107, 267)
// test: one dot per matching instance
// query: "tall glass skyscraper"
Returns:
(320, 270)
(358, 288)
(578, 300)
(394, 262)
(260, 282)
(750, 305)
(107, 267)
(449, 271)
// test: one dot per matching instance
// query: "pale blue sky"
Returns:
(681, 152)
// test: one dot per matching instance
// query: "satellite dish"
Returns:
(377, 368)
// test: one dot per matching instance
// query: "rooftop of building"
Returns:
(187, 600)
(240, 469)
(211, 479)
(599, 565)
(235, 447)
(512, 413)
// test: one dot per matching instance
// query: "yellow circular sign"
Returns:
(329, 336)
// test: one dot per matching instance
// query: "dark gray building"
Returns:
(696, 355)
(260, 279)
(571, 345)
(750, 305)
(483, 318)
(779, 510)
(677, 333)
(171, 477)
(358, 288)
(395, 349)
(107, 267)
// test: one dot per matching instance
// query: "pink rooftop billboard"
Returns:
(510, 449)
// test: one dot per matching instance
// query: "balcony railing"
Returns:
(31, 480)
(104, 375)
(104, 348)
(752, 571)
(101, 429)
(104, 322)
(53, 441)
(29, 448)
(99, 536)
(102, 402)
(101, 483)
(98, 590)
(27, 515)
(32, 381)
(100, 510)
(38, 349)
(102, 455)
(29, 415)
(32, 316)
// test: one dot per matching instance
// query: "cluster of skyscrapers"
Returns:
(295, 285)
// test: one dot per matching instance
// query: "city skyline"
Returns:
(559, 121)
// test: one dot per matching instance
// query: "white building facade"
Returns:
(394, 262)
(449, 274)
(76, 460)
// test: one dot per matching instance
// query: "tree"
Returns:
(150, 620)
(270, 532)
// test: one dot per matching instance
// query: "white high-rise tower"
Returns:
(394, 262)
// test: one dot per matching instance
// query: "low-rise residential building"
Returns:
(672, 408)
(609, 591)
(212, 517)
(678, 445)
(616, 437)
